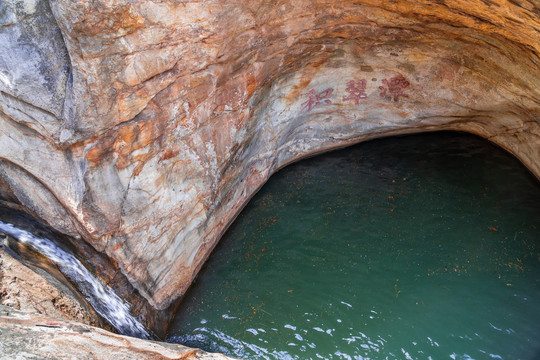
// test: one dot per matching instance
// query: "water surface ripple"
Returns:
(420, 247)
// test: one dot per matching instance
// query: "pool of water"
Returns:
(417, 247)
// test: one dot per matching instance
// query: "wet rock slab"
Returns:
(34, 336)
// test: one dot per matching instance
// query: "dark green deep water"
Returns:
(418, 247)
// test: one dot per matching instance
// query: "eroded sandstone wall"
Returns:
(143, 127)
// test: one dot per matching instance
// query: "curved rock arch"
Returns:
(174, 113)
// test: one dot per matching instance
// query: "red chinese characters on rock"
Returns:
(394, 87)
(315, 99)
(356, 90)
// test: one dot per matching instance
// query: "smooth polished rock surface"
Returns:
(26, 336)
(143, 127)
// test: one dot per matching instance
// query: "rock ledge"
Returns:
(29, 336)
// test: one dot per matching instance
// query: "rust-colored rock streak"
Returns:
(152, 123)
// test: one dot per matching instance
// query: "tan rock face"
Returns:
(25, 290)
(29, 336)
(143, 127)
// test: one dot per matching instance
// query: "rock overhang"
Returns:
(175, 113)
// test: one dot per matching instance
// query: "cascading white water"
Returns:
(99, 295)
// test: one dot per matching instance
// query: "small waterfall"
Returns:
(99, 295)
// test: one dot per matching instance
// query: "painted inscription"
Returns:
(356, 90)
(315, 99)
(394, 87)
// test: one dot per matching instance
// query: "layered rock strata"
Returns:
(26, 336)
(143, 127)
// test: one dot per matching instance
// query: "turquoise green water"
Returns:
(419, 247)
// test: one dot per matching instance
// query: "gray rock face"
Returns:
(143, 127)
(34, 67)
